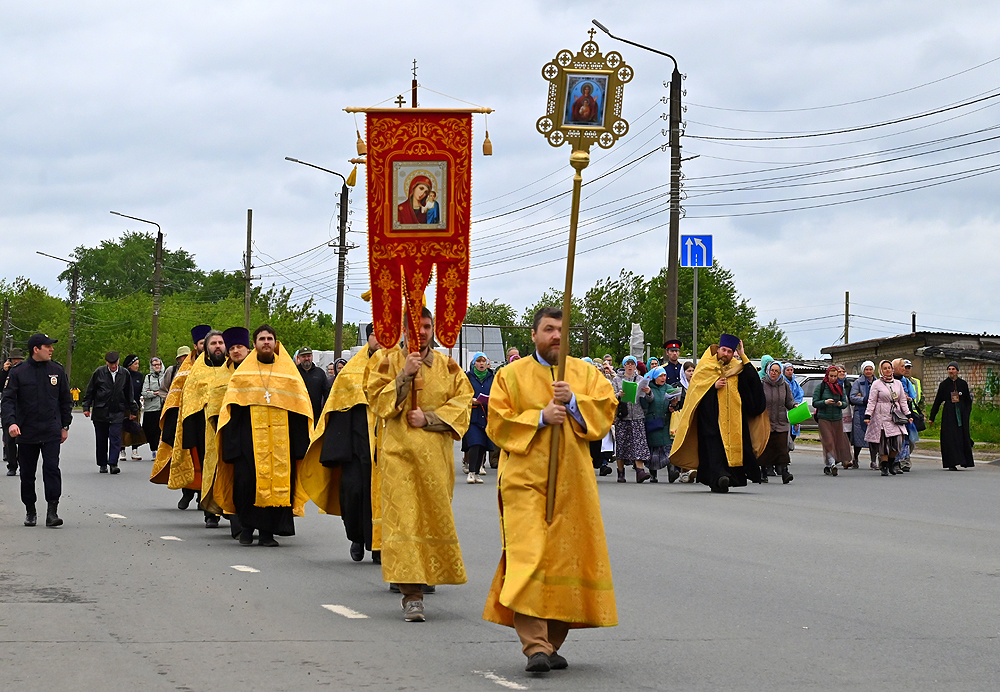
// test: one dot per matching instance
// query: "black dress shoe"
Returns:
(603, 471)
(246, 537)
(268, 542)
(211, 522)
(377, 557)
(115, 469)
(30, 517)
(557, 662)
(673, 473)
(428, 588)
(357, 551)
(104, 469)
(538, 663)
(11, 472)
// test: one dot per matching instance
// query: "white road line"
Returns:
(345, 611)
(244, 568)
(500, 680)
(116, 516)
(171, 538)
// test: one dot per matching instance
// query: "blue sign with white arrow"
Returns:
(696, 251)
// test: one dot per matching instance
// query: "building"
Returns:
(930, 352)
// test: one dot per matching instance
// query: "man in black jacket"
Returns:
(37, 412)
(317, 383)
(9, 446)
(109, 394)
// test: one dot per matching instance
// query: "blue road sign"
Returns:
(696, 251)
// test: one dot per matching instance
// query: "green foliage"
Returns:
(554, 298)
(612, 306)
(984, 426)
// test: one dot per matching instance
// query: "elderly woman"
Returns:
(656, 404)
(830, 400)
(956, 441)
(780, 401)
(859, 400)
(475, 441)
(765, 362)
(910, 438)
(630, 428)
(152, 403)
(886, 416)
(847, 415)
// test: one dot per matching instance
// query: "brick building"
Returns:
(978, 357)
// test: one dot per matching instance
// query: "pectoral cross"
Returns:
(267, 397)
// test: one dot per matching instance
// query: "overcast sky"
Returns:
(183, 113)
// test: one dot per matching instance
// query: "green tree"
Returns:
(117, 268)
(612, 306)
(554, 298)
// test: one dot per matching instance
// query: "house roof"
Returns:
(909, 336)
(959, 353)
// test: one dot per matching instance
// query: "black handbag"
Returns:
(654, 424)
(622, 410)
(897, 417)
(919, 421)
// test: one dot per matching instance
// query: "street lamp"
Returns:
(341, 250)
(158, 262)
(72, 309)
(673, 249)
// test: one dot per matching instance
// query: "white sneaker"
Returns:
(136, 457)
(122, 456)
(478, 479)
(472, 478)
(465, 467)
(482, 471)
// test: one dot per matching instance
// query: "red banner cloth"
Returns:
(419, 200)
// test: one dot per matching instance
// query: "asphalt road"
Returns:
(857, 583)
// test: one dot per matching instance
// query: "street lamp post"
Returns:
(158, 259)
(74, 286)
(341, 252)
(673, 249)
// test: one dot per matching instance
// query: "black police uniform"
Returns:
(37, 398)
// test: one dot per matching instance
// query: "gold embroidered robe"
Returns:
(558, 571)
(173, 462)
(417, 466)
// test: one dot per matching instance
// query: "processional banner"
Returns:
(419, 199)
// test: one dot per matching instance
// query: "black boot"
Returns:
(51, 518)
(884, 466)
(30, 515)
(652, 476)
(786, 477)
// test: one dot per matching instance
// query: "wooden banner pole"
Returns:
(579, 160)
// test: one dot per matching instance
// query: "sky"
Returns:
(183, 112)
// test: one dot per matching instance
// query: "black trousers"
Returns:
(151, 426)
(109, 442)
(9, 451)
(477, 453)
(27, 457)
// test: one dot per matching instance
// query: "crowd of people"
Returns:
(252, 432)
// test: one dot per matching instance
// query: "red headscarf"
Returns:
(834, 386)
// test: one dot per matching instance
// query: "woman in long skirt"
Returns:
(886, 401)
(859, 400)
(631, 447)
(780, 401)
(830, 400)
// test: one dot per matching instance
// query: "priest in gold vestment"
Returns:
(417, 464)
(337, 472)
(264, 429)
(552, 577)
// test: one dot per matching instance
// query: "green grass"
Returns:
(985, 424)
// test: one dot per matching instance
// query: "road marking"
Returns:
(116, 516)
(345, 611)
(244, 568)
(500, 680)
(171, 538)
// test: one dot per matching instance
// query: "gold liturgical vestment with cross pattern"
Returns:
(558, 571)
(419, 541)
(173, 463)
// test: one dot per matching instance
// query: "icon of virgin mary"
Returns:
(585, 106)
(413, 209)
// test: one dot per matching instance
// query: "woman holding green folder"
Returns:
(630, 429)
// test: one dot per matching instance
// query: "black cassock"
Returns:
(712, 462)
(956, 440)
(345, 445)
(237, 449)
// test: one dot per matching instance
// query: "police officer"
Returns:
(37, 412)
(9, 446)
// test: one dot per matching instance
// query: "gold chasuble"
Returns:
(215, 392)
(271, 391)
(417, 466)
(558, 571)
(320, 483)
(170, 455)
(684, 428)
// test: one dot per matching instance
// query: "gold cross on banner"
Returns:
(400, 101)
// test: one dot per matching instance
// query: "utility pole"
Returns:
(342, 246)
(6, 327)
(673, 245)
(157, 279)
(246, 272)
(847, 317)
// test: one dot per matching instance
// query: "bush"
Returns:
(985, 424)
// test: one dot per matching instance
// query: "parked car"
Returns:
(809, 383)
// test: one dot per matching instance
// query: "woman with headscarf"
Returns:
(788, 370)
(601, 451)
(651, 363)
(859, 399)
(765, 361)
(475, 441)
(830, 399)
(132, 432)
(656, 404)
(956, 440)
(152, 403)
(630, 429)
(886, 416)
(778, 396)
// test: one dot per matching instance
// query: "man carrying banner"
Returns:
(424, 398)
(553, 576)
